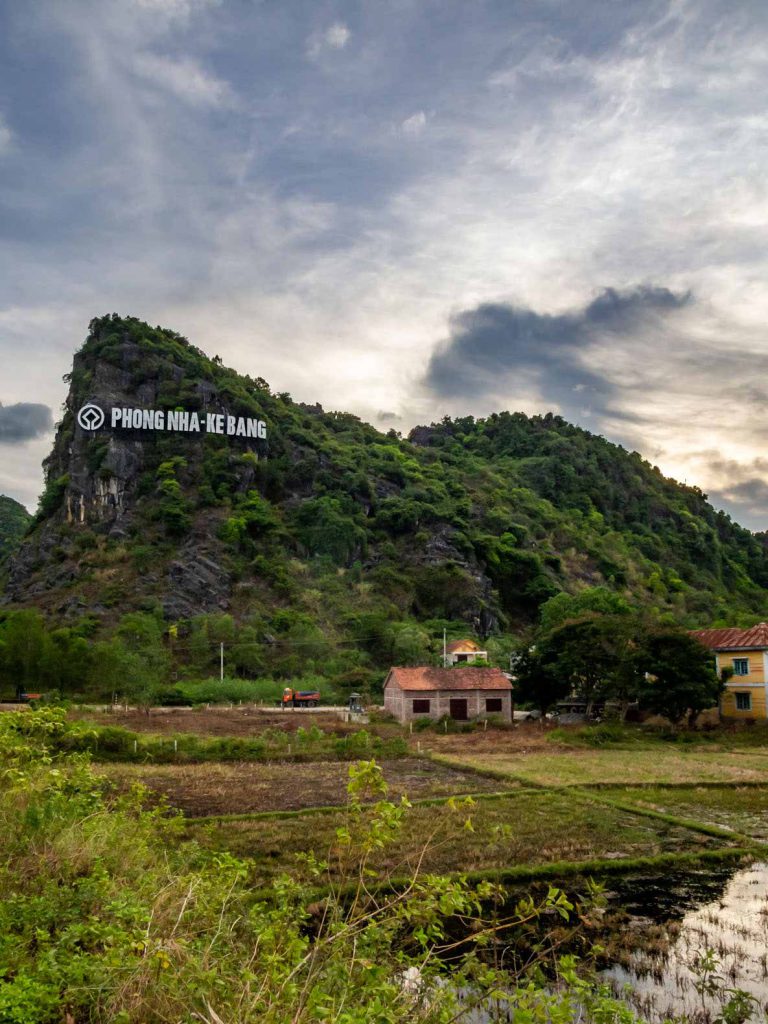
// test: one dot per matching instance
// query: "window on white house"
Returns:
(492, 704)
(421, 707)
(743, 701)
(741, 666)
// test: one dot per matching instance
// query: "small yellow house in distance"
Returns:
(464, 652)
(745, 652)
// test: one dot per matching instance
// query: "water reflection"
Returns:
(726, 915)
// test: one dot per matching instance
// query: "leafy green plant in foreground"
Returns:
(106, 915)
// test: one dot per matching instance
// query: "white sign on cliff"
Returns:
(91, 418)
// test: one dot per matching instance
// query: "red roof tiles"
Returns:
(733, 639)
(427, 678)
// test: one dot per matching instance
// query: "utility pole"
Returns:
(445, 649)
(221, 659)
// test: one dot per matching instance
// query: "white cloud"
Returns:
(334, 38)
(337, 36)
(6, 135)
(21, 477)
(331, 259)
(415, 124)
(185, 79)
(176, 9)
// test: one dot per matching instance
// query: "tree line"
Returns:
(594, 646)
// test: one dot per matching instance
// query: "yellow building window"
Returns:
(743, 701)
(741, 666)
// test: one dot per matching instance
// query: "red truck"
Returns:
(300, 698)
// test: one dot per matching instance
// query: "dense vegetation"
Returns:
(106, 914)
(595, 646)
(341, 550)
(14, 522)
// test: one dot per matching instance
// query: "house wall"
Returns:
(400, 703)
(393, 701)
(466, 657)
(755, 684)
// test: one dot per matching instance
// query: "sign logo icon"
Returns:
(90, 417)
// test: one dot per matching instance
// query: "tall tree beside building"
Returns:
(679, 676)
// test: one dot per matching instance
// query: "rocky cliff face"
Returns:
(102, 484)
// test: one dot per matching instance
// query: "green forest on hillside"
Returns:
(14, 521)
(346, 549)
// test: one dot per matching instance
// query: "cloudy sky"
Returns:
(402, 208)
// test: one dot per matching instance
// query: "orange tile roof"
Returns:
(462, 645)
(427, 678)
(733, 639)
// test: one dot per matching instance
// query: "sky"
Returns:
(403, 209)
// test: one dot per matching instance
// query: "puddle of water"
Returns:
(726, 912)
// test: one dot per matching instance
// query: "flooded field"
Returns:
(687, 948)
(692, 941)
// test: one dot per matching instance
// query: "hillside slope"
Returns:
(14, 520)
(330, 527)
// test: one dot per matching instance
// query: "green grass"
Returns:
(616, 735)
(526, 829)
(340, 809)
(657, 764)
(742, 810)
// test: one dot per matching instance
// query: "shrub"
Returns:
(600, 735)
(107, 916)
(231, 691)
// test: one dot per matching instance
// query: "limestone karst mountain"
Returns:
(203, 492)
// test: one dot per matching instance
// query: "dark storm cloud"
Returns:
(743, 491)
(500, 346)
(746, 501)
(23, 422)
(752, 493)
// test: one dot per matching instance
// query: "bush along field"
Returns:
(113, 743)
(107, 914)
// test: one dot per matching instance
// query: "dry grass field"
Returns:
(199, 790)
(565, 802)
(216, 721)
(569, 766)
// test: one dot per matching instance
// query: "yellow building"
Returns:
(745, 652)
(464, 652)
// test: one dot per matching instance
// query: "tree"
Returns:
(252, 521)
(679, 676)
(144, 659)
(26, 651)
(584, 655)
(324, 526)
(536, 682)
(596, 600)
(108, 669)
(69, 661)
(410, 645)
